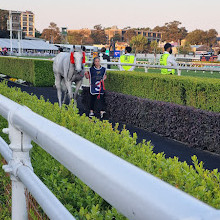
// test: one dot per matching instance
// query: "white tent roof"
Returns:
(28, 44)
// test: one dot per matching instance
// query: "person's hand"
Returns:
(105, 77)
(87, 74)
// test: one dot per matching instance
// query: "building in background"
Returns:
(28, 23)
(150, 35)
(26, 19)
(111, 32)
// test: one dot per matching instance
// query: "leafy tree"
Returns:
(98, 35)
(3, 19)
(185, 49)
(116, 37)
(52, 33)
(139, 43)
(80, 38)
(37, 33)
(211, 37)
(144, 29)
(202, 37)
(172, 31)
(130, 33)
(98, 27)
(196, 37)
(154, 47)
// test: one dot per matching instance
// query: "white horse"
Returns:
(67, 72)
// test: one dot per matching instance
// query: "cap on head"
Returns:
(167, 45)
(128, 49)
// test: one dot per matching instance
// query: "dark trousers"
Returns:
(100, 102)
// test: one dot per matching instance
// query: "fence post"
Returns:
(146, 69)
(20, 145)
(179, 72)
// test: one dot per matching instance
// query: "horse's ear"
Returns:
(83, 48)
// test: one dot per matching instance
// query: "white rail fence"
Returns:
(133, 192)
(148, 66)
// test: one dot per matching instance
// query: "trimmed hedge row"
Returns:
(80, 200)
(37, 72)
(197, 128)
(202, 93)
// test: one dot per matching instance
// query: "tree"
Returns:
(196, 37)
(139, 43)
(154, 47)
(129, 34)
(3, 24)
(98, 27)
(3, 19)
(80, 38)
(74, 38)
(52, 33)
(116, 37)
(211, 37)
(185, 49)
(37, 33)
(172, 32)
(98, 35)
(202, 37)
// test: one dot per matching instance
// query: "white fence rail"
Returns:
(133, 192)
(148, 66)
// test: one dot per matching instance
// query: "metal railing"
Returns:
(148, 66)
(132, 191)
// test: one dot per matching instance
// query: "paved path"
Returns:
(170, 147)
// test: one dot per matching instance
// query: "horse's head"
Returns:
(78, 59)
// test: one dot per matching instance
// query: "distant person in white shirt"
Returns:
(127, 58)
(167, 59)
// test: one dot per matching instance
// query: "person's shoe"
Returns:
(91, 115)
(102, 114)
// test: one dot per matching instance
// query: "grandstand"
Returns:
(32, 46)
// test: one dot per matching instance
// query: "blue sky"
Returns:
(203, 14)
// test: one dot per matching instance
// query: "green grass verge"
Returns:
(79, 199)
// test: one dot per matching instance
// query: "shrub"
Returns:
(202, 93)
(195, 127)
(37, 72)
(80, 200)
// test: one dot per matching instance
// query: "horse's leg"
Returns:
(78, 84)
(69, 88)
(65, 95)
(58, 86)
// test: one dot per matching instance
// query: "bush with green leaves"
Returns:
(35, 71)
(79, 199)
(202, 93)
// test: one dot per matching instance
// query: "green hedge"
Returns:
(80, 200)
(202, 93)
(38, 72)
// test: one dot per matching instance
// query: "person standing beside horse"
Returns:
(97, 76)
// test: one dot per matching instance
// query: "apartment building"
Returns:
(28, 23)
(150, 35)
(21, 20)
